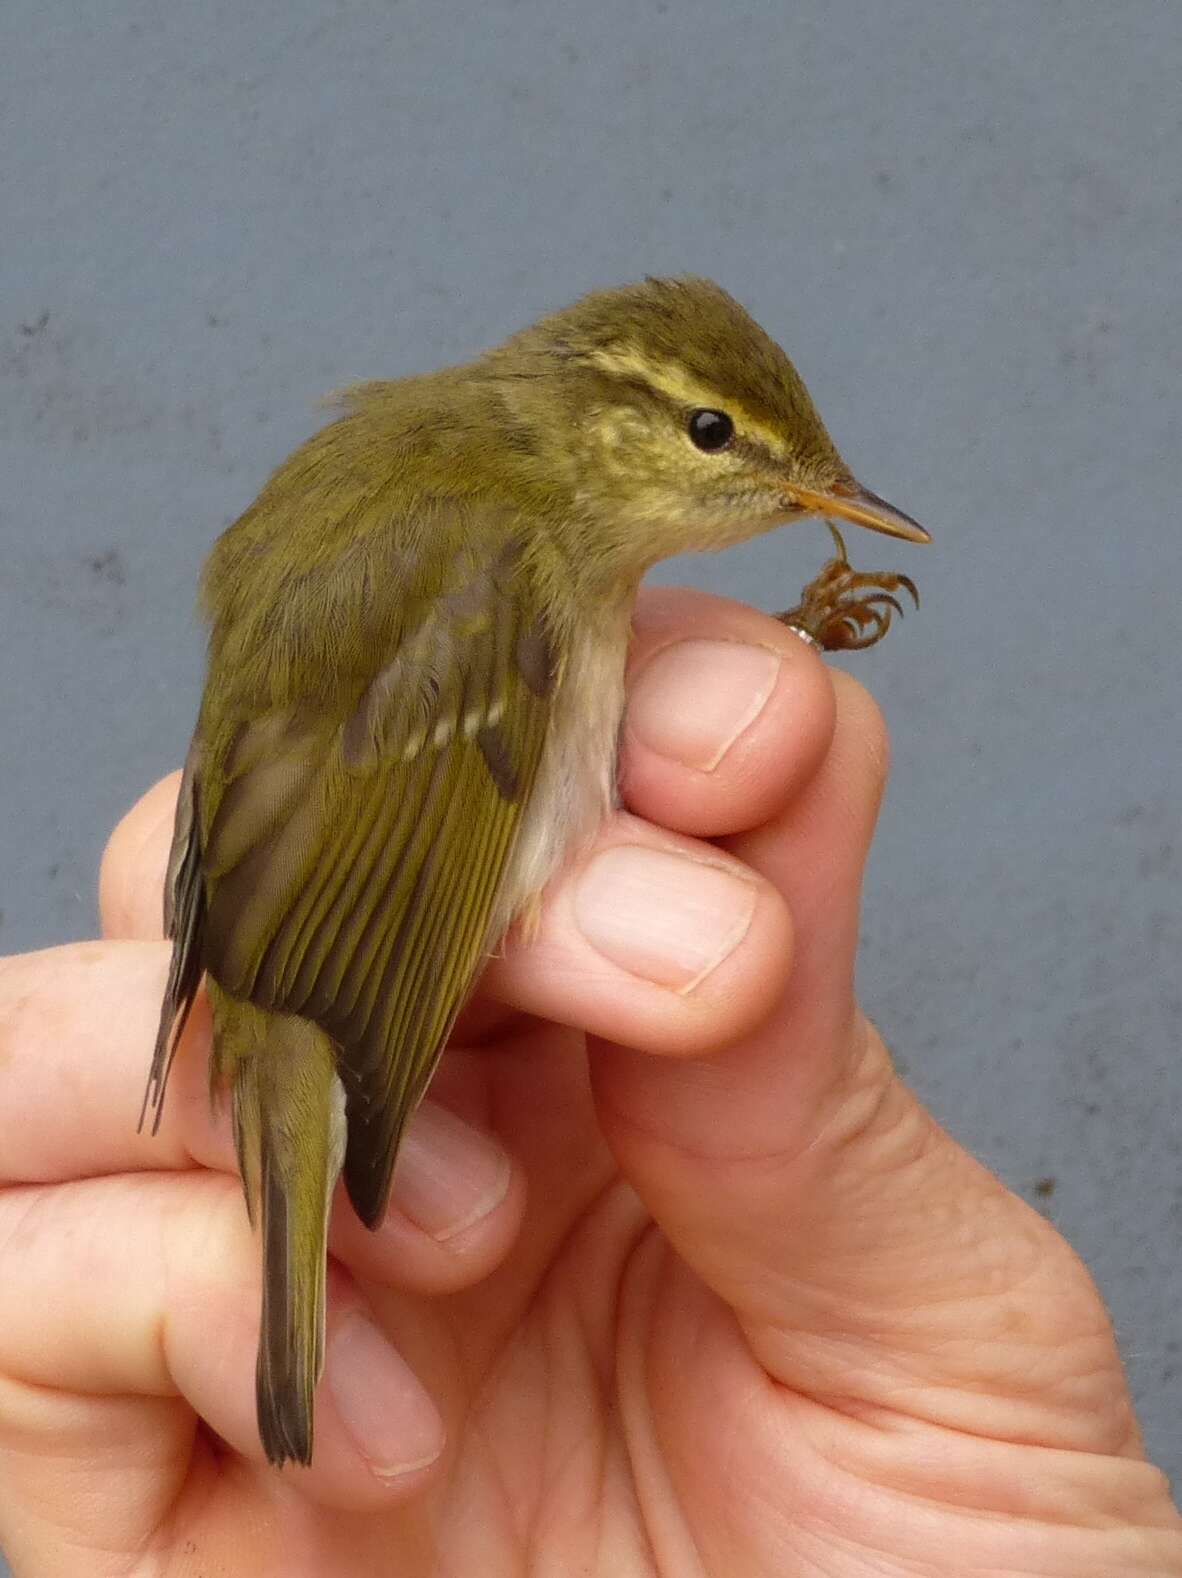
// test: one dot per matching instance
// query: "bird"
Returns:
(414, 686)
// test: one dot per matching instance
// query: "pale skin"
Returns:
(694, 1287)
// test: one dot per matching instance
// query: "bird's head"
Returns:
(679, 424)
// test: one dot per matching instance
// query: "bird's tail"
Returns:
(289, 1126)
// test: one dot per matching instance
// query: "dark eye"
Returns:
(711, 430)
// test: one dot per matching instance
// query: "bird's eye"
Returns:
(711, 430)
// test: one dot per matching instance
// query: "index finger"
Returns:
(76, 1026)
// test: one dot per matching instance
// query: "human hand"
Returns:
(692, 1286)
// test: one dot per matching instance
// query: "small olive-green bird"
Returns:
(415, 682)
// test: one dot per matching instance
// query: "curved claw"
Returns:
(885, 597)
(864, 623)
(853, 638)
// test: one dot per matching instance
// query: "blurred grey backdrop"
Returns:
(963, 221)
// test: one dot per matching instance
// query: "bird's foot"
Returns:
(842, 610)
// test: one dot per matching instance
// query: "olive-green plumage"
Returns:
(417, 642)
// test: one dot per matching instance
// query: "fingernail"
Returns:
(395, 1424)
(448, 1174)
(664, 917)
(694, 699)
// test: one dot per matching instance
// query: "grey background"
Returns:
(963, 222)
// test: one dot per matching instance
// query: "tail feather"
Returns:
(289, 1122)
(291, 1335)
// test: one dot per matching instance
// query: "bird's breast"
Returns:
(575, 788)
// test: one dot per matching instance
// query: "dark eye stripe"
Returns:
(752, 449)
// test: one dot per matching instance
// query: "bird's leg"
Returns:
(843, 611)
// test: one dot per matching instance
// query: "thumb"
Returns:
(865, 1254)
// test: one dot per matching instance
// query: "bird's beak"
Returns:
(850, 502)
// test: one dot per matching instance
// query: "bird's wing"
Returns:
(353, 856)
